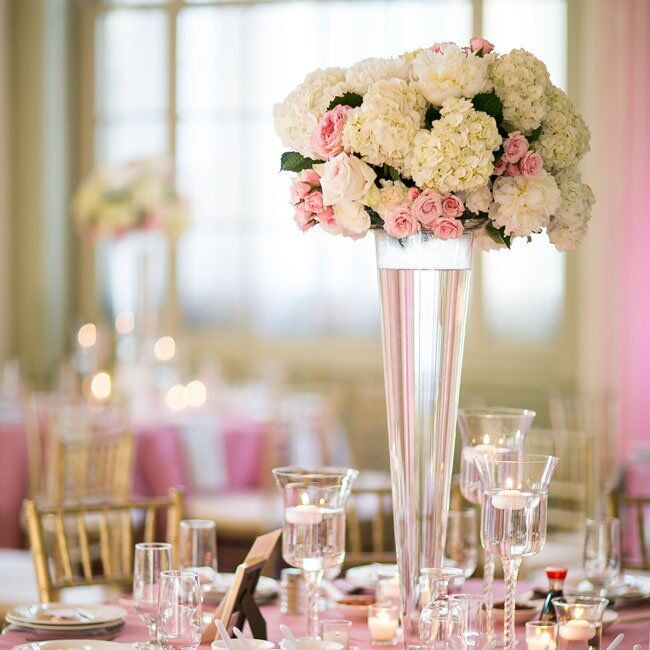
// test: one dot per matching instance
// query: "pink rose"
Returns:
(514, 147)
(413, 193)
(512, 170)
(452, 206)
(326, 217)
(477, 44)
(299, 191)
(327, 139)
(314, 202)
(531, 164)
(446, 228)
(427, 207)
(500, 167)
(310, 176)
(303, 218)
(400, 222)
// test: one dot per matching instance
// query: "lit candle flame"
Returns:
(304, 497)
(177, 397)
(125, 322)
(508, 483)
(165, 348)
(87, 335)
(486, 439)
(197, 393)
(100, 386)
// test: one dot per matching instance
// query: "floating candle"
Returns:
(509, 500)
(303, 514)
(577, 630)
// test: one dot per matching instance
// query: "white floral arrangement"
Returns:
(135, 196)
(440, 140)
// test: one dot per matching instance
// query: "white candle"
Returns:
(382, 628)
(542, 641)
(509, 500)
(577, 629)
(303, 514)
(337, 636)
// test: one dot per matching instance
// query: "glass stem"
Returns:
(153, 633)
(510, 570)
(488, 588)
(313, 580)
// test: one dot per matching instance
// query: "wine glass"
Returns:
(513, 523)
(440, 618)
(313, 533)
(197, 540)
(495, 431)
(179, 622)
(461, 542)
(149, 561)
(602, 552)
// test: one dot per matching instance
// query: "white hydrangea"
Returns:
(565, 136)
(382, 129)
(450, 72)
(456, 154)
(361, 75)
(479, 200)
(524, 205)
(569, 225)
(521, 80)
(298, 115)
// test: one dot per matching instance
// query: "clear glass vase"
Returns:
(424, 286)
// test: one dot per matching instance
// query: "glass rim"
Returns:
(494, 412)
(179, 573)
(524, 459)
(475, 597)
(602, 520)
(153, 545)
(197, 523)
(445, 571)
(290, 471)
(541, 624)
(580, 600)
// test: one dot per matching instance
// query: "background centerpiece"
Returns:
(432, 149)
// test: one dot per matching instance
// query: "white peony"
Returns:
(345, 178)
(298, 115)
(456, 154)
(478, 200)
(483, 242)
(450, 72)
(524, 205)
(382, 129)
(565, 136)
(364, 73)
(521, 81)
(569, 224)
(352, 219)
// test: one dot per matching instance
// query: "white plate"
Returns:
(352, 611)
(522, 615)
(72, 644)
(366, 575)
(39, 627)
(609, 618)
(65, 615)
(629, 588)
(266, 587)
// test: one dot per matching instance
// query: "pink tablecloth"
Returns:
(135, 630)
(161, 463)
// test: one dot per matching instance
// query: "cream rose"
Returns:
(345, 178)
(352, 219)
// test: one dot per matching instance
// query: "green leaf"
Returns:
(497, 154)
(534, 135)
(375, 219)
(292, 161)
(497, 235)
(347, 99)
(489, 103)
(431, 116)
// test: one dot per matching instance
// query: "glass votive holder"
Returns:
(541, 635)
(383, 623)
(579, 621)
(338, 631)
(472, 610)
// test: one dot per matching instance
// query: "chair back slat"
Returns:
(56, 568)
(634, 514)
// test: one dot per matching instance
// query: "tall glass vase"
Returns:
(424, 286)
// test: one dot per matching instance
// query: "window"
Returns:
(197, 81)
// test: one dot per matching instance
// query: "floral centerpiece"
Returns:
(136, 196)
(440, 140)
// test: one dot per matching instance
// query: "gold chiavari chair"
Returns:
(634, 513)
(370, 517)
(55, 566)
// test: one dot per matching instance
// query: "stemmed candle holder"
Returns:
(513, 522)
(491, 431)
(313, 533)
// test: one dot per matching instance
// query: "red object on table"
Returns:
(135, 630)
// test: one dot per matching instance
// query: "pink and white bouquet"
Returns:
(442, 140)
(140, 195)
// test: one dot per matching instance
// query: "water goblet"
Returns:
(461, 543)
(602, 552)
(179, 622)
(150, 560)
(197, 539)
(313, 532)
(513, 522)
(494, 431)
